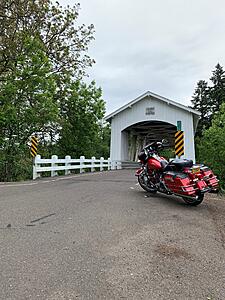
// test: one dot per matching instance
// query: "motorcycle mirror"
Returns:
(165, 142)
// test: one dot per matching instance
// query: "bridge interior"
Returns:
(143, 133)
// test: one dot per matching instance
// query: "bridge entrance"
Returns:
(143, 133)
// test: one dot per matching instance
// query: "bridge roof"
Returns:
(153, 95)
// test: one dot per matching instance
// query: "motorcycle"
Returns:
(178, 176)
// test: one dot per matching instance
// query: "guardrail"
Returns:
(67, 164)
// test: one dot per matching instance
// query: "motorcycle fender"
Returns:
(138, 172)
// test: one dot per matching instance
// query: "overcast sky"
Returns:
(164, 46)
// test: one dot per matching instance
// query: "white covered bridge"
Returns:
(147, 118)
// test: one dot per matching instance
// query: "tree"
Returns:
(217, 91)
(201, 101)
(82, 112)
(208, 99)
(27, 103)
(211, 148)
(65, 44)
(42, 51)
(103, 147)
(210, 141)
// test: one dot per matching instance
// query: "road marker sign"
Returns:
(179, 125)
(33, 147)
(179, 143)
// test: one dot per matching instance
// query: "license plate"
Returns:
(195, 170)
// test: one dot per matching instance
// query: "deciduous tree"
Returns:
(65, 42)
(27, 102)
(83, 111)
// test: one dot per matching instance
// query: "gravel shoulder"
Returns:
(216, 207)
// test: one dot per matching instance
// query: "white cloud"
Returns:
(162, 46)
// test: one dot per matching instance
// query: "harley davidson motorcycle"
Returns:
(179, 176)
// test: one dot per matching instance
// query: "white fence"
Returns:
(67, 164)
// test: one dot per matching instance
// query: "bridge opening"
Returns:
(135, 137)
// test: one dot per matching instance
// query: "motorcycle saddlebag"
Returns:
(209, 177)
(179, 183)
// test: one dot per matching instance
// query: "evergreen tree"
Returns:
(217, 91)
(201, 102)
(208, 99)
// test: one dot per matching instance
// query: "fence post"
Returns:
(119, 165)
(113, 165)
(53, 165)
(67, 164)
(82, 165)
(35, 165)
(101, 163)
(93, 164)
(109, 164)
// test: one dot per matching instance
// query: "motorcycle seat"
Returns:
(181, 163)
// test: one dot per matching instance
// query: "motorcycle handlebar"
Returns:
(154, 146)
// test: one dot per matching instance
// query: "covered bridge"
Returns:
(147, 118)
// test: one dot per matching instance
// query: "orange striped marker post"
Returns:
(33, 147)
(179, 143)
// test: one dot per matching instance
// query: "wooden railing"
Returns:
(67, 164)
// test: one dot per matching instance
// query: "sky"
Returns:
(162, 46)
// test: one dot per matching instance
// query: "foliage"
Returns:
(43, 57)
(15, 162)
(65, 44)
(103, 147)
(27, 101)
(168, 153)
(208, 98)
(217, 91)
(211, 148)
(201, 102)
(83, 111)
(210, 138)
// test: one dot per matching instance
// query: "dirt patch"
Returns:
(172, 251)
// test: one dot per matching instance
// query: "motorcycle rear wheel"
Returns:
(147, 186)
(194, 201)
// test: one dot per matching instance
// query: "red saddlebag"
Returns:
(179, 183)
(209, 177)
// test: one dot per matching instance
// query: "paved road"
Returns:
(99, 236)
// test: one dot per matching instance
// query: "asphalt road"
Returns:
(99, 236)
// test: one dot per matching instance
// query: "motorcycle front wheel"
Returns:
(194, 201)
(146, 184)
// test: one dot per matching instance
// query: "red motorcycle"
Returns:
(179, 176)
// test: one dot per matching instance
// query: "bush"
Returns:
(210, 149)
(15, 167)
(168, 153)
